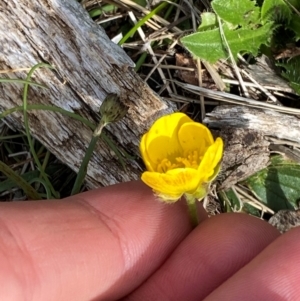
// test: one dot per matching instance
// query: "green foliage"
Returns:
(282, 12)
(209, 21)
(18, 180)
(276, 10)
(232, 203)
(41, 176)
(96, 12)
(242, 29)
(277, 186)
(240, 13)
(208, 44)
(292, 72)
(246, 27)
(143, 21)
(294, 26)
(142, 3)
(230, 200)
(249, 209)
(294, 3)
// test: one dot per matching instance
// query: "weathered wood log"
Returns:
(88, 66)
(245, 132)
(265, 121)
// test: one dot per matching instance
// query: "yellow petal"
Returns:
(195, 136)
(161, 141)
(211, 159)
(174, 183)
(218, 150)
(149, 165)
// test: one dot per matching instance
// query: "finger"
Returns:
(272, 275)
(97, 245)
(213, 252)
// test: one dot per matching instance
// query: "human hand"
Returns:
(119, 242)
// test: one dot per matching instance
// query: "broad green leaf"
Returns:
(275, 10)
(205, 45)
(208, 45)
(237, 12)
(208, 21)
(277, 186)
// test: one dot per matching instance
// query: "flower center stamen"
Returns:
(192, 159)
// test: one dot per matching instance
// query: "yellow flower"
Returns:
(181, 157)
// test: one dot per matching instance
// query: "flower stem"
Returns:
(83, 167)
(111, 110)
(192, 207)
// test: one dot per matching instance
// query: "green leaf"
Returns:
(30, 176)
(276, 10)
(249, 209)
(292, 72)
(205, 45)
(30, 192)
(208, 45)
(277, 186)
(230, 201)
(237, 12)
(10, 184)
(96, 12)
(294, 25)
(142, 3)
(208, 21)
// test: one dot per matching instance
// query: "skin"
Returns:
(119, 243)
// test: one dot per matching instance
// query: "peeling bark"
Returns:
(88, 66)
(266, 122)
(246, 132)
